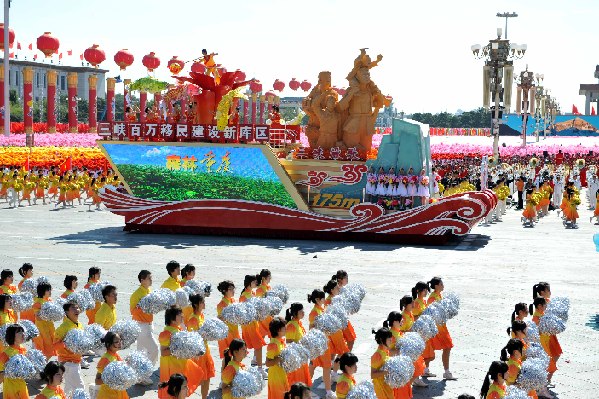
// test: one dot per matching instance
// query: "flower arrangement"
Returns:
(424, 181)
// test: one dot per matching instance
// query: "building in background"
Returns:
(591, 93)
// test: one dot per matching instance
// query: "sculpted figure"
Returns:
(314, 103)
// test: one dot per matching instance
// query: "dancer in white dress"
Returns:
(402, 188)
(370, 183)
(381, 180)
(423, 190)
(412, 182)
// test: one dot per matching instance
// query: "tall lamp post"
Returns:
(499, 55)
(506, 15)
(538, 97)
(6, 71)
(525, 99)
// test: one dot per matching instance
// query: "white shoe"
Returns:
(419, 383)
(330, 395)
(84, 364)
(334, 376)
(427, 373)
(448, 376)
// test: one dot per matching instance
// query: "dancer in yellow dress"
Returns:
(294, 333)
(7, 315)
(188, 272)
(277, 378)
(210, 64)
(384, 339)
(348, 364)
(94, 274)
(28, 187)
(234, 355)
(317, 297)
(45, 340)
(227, 289)
(442, 341)
(70, 283)
(250, 332)
(204, 362)
(349, 334)
(264, 278)
(112, 341)
(6, 282)
(53, 376)
(26, 271)
(13, 388)
(71, 361)
(394, 324)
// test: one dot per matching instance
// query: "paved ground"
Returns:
(492, 269)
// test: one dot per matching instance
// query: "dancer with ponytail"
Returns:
(549, 342)
(112, 341)
(6, 280)
(419, 293)
(277, 378)
(512, 354)
(26, 271)
(250, 332)
(348, 364)
(520, 311)
(187, 273)
(317, 297)
(294, 332)
(393, 323)
(384, 339)
(227, 289)
(441, 341)
(349, 334)
(204, 362)
(94, 274)
(45, 340)
(175, 387)
(264, 278)
(494, 386)
(13, 388)
(233, 357)
(337, 344)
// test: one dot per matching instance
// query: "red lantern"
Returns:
(198, 67)
(123, 59)
(239, 75)
(305, 85)
(175, 65)
(150, 61)
(278, 85)
(256, 86)
(94, 55)
(11, 37)
(294, 84)
(48, 44)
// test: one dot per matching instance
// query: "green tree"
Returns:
(478, 118)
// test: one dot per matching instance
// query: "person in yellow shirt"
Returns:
(45, 340)
(13, 388)
(146, 340)
(6, 280)
(70, 360)
(384, 339)
(106, 316)
(293, 333)
(70, 283)
(348, 364)
(187, 273)
(173, 269)
(176, 386)
(53, 375)
(26, 271)
(277, 377)
(204, 362)
(112, 341)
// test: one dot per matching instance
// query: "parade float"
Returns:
(214, 175)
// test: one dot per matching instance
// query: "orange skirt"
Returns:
(3, 190)
(300, 375)
(596, 213)
(28, 314)
(429, 352)
(39, 192)
(419, 367)
(62, 197)
(224, 343)
(323, 360)
(170, 365)
(404, 392)
(251, 335)
(53, 190)
(529, 212)
(337, 345)
(349, 334)
(571, 212)
(206, 363)
(442, 340)
(263, 326)
(26, 194)
(544, 202)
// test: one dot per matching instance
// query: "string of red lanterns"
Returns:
(150, 61)
(94, 55)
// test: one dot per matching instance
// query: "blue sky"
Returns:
(428, 65)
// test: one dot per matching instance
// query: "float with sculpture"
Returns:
(213, 175)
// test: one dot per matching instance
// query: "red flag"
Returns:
(30, 46)
(60, 56)
(11, 55)
(70, 52)
(18, 45)
(27, 163)
(66, 165)
(34, 57)
(593, 112)
(81, 57)
(575, 110)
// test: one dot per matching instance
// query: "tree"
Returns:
(478, 118)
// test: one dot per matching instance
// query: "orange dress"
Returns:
(233, 328)
(251, 332)
(105, 392)
(187, 310)
(496, 391)
(323, 360)
(529, 211)
(549, 343)
(170, 365)
(277, 378)
(91, 313)
(52, 393)
(442, 340)
(349, 334)
(404, 392)
(8, 289)
(263, 324)
(28, 314)
(228, 375)
(45, 341)
(345, 383)
(13, 388)
(205, 362)
(295, 332)
(377, 361)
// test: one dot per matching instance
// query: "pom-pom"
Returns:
(182, 298)
(328, 323)
(128, 330)
(119, 375)
(513, 392)
(31, 330)
(437, 313)
(247, 383)
(533, 375)
(22, 301)
(532, 332)
(83, 299)
(550, 324)
(362, 390)
(30, 286)
(558, 306)
(426, 327)
(238, 313)
(293, 357)
(187, 345)
(354, 289)
(60, 301)
(139, 362)
(315, 342)
(157, 301)
(275, 305)
(96, 333)
(96, 290)
(399, 371)
(340, 313)
(451, 304)
(203, 288)
(280, 291)
(80, 393)
(536, 351)
(214, 330)
(51, 311)
(19, 367)
(453, 297)
(3, 333)
(37, 358)
(79, 341)
(411, 345)
(262, 307)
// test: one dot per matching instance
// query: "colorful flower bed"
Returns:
(89, 157)
(52, 140)
(41, 127)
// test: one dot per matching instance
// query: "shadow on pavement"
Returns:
(593, 322)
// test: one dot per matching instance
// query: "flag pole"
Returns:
(6, 71)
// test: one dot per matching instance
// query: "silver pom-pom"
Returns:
(128, 330)
(247, 383)
(96, 332)
(451, 306)
(275, 305)
(340, 313)
(328, 323)
(262, 307)
(399, 371)
(437, 313)
(187, 345)
(280, 291)
(533, 375)
(550, 324)
(411, 345)
(354, 289)
(30, 286)
(19, 367)
(79, 341)
(536, 351)
(60, 301)
(513, 392)
(37, 358)
(22, 301)
(559, 306)
(293, 357)
(96, 290)
(362, 390)
(31, 330)
(426, 327)
(203, 288)
(239, 313)
(454, 298)
(214, 330)
(182, 298)
(157, 301)
(139, 362)
(532, 332)
(316, 343)
(119, 375)
(3, 333)
(80, 393)
(51, 311)
(83, 299)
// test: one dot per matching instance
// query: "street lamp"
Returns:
(525, 91)
(506, 15)
(499, 55)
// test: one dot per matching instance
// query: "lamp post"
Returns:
(525, 99)
(6, 70)
(506, 15)
(538, 97)
(499, 55)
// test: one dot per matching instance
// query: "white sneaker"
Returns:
(84, 364)
(330, 395)
(419, 383)
(427, 373)
(448, 376)
(334, 376)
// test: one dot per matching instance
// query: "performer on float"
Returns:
(412, 190)
(370, 184)
(204, 362)
(497, 374)
(294, 333)
(210, 64)
(423, 190)
(72, 361)
(381, 181)
(402, 189)
(277, 378)
(250, 333)
(348, 364)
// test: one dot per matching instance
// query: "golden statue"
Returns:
(315, 102)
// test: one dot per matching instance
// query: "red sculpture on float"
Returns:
(11, 37)
(94, 55)
(48, 44)
(240, 75)
(150, 61)
(294, 84)
(175, 65)
(278, 85)
(123, 58)
(305, 85)
(198, 67)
